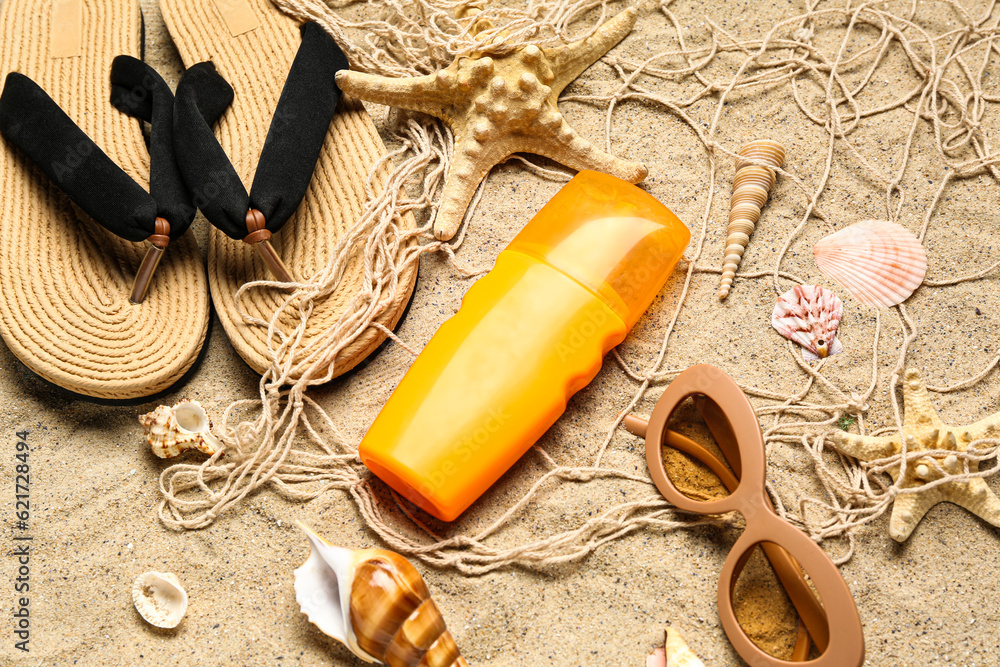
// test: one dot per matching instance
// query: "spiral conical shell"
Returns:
(880, 263)
(751, 186)
(173, 430)
(376, 603)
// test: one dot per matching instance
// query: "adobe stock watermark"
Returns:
(463, 452)
(21, 547)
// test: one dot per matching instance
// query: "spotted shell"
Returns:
(810, 315)
(879, 263)
(160, 599)
(375, 603)
(173, 430)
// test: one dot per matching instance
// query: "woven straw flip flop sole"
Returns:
(65, 281)
(252, 45)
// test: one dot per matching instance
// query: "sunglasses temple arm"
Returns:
(635, 425)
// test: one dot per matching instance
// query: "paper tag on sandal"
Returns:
(66, 31)
(238, 15)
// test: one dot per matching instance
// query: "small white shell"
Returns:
(675, 653)
(172, 430)
(809, 315)
(160, 599)
(879, 263)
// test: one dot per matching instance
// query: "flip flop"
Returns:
(251, 46)
(65, 280)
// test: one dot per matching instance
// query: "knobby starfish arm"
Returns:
(977, 497)
(569, 148)
(416, 93)
(866, 447)
(908, 509)
(920, 412)
(570, 60)
(984, 428)
(463, 178)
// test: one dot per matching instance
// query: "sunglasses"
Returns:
(833, 625)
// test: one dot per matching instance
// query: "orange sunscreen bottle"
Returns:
(529, 335)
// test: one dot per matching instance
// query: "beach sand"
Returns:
(930, 601)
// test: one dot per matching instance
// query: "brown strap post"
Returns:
(260, 239)
(159, 239)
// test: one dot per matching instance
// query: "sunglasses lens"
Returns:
(700, 454)
(776, 606)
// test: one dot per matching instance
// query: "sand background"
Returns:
(930, 601)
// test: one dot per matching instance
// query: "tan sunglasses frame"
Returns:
(736, 430)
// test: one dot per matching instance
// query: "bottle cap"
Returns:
(613, 238)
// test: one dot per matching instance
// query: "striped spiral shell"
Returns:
(375, 603)
(880, 263)
(751, 186)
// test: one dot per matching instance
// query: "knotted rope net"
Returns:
(824, 60)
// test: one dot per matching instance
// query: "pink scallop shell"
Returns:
(809, 315)
(879, 263)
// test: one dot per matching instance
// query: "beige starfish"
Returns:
(501, 105)
(925, 431)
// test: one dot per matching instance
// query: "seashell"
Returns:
(751, 186)
(160, 599)
(809, 315)
(674, 654)
(172, 430)
(375, 603)
(880, 263)
(677, 651)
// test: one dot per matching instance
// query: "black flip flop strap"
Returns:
(34, 124)
(287, 161)
(137, 90)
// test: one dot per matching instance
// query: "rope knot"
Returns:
(857, 404)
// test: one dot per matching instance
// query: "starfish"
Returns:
(501, 105)
(925, 431)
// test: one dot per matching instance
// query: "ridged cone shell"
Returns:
(376, 603)
(810, 315)
(751, 186)
(880, 263)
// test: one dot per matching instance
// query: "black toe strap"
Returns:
(137, 90)
(286, 163)
(34, 124)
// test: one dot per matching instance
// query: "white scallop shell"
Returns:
(880, 263)
(172, 430)
(160, 599)
(809, 315)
